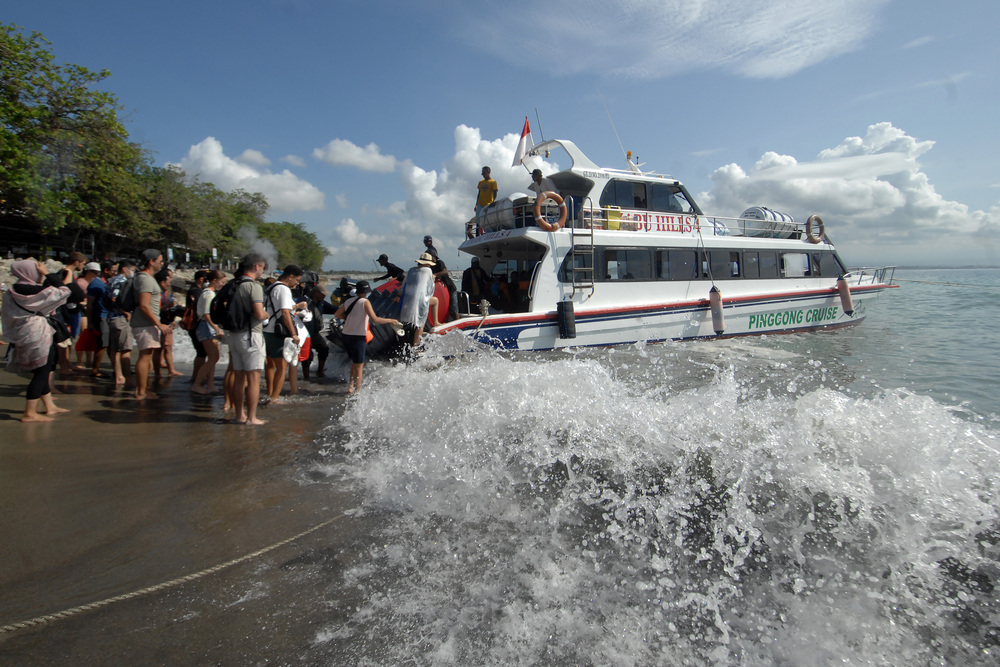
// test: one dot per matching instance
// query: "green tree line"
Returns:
(68, 171)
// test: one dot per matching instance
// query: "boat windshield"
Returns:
(663, 197)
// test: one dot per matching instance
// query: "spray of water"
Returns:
(677, 504)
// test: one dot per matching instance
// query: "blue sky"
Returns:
(370, 121)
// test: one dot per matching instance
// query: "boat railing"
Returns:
(882, 275)
(581, 213)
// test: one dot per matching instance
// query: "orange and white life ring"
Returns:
(542, 222)
(820, 229)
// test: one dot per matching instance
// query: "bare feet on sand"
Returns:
(35, 417)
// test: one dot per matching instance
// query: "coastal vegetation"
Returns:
(71, 178)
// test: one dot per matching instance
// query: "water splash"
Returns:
(668, 504)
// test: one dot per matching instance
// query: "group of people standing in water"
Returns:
(271, 326)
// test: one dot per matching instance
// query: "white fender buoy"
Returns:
(715, 301)
(846, 302)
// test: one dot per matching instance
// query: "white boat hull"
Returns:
(784, 313)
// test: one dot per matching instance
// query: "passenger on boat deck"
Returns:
(500, 294)
(475, 283)
(429, 246)
(391, 270)
(417, 300)
(540, 184)
(487, 191)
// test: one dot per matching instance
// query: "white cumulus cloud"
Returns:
(651, 39)
(878, 204)
(294, 160)
(872, 195)
(436, 201)
(343, 153)
(253, 157)
(284, 190)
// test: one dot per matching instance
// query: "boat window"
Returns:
(669, 199)
(625, 194)
(720, 264)
(768, 264)
(676, 265)
(794, 264)
(624, 264)
(826, 264)
(760, 264)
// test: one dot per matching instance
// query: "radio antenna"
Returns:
(611, 120)
(540, 133)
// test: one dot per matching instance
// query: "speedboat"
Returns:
(618, 256)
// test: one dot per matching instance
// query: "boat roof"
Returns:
(581, 163)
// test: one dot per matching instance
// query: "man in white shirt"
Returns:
(279, 304)
(540, 184)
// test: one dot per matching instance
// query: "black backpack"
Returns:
(224, 312)
(126, 300)
(113, 297)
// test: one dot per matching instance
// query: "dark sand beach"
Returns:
(117, 496)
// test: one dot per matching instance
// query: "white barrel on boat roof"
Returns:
(498, 215)
(762, 221)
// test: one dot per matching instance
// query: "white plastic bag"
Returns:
(291, 352)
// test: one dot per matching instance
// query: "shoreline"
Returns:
(119, 495)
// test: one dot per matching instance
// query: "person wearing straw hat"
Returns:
(417, 299)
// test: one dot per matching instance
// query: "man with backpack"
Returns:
(116, 335)
(241, 312)
(279, 306)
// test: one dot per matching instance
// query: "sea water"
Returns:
(824, 498)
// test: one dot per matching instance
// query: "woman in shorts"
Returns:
(356, 313)
(209, 334)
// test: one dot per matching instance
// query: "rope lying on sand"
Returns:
(58, 616)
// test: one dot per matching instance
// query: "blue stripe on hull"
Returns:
(506, 336)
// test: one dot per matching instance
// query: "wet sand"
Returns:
(116, 496)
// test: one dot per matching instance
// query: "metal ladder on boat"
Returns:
(582, 266)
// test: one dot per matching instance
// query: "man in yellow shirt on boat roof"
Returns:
(487, 191)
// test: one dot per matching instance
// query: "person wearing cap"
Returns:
(356, 312)
(90, 271)
(391, 270)
(429, 246)
(487, 191)
(146, 326)
(95, 313)
(540, 184)
(417, 300)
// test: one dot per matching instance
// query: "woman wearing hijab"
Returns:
(25, 308)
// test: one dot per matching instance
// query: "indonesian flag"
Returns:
(522, 145)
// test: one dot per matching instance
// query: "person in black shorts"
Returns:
(191, 301)
(356, 312)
